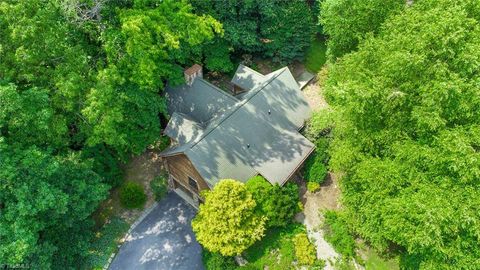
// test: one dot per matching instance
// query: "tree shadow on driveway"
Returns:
(163, 240)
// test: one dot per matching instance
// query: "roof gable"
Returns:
(182, 129)
(247, 78)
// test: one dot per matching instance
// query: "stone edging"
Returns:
(133, 226)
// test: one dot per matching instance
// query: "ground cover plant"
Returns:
(132, 195)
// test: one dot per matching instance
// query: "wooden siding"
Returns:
(180, 167)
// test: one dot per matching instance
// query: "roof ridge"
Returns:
(251, 70)
(240, 104)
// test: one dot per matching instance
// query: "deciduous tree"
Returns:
(347, 22)
(408, 134)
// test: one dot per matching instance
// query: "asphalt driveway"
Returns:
(163, 240)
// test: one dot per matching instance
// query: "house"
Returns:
(216, 135)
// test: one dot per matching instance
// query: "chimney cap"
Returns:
(193, 69)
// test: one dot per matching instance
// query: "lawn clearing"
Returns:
(373, 261)
(316, 55)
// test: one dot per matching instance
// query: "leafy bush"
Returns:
(162, 143)
(132, 195)
(276, 250)
(338, 234)
(304, 250)
(278, 204)
(159, 186)
(319, 125)
(315, 169)
(227, 222)
(313, 187)
(319, 264)
(105, 243)
(215, 261)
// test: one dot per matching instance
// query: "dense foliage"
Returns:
(315, 167)
(276, 251)
(227, 223)
(277, 204)
(80, 91)
(159, 186)
(338, 234)
(144, 48)
(132, 195)
(347, 22)
(408, 134)
(279, 29)
(215, 261)
(45, 202)
(105, 243)
(304, 250)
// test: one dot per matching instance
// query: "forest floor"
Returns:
(140, 169)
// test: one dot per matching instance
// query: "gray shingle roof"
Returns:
(247, 78)
(182, 128)
(255, 135)
(201, 101)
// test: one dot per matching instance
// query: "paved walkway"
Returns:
(163, 240)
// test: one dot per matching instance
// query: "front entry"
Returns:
(185, 193)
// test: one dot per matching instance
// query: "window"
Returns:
(193, 184)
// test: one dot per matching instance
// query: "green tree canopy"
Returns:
(147, 47)
(227, 222)
(408, 134)
(45, 203)
(277, 204)
(279, 29)
(347, 22)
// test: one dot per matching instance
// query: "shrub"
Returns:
(278, 204)
(338, 234)
(105, 243)
(215, 261)
(319, 264)
(315, 169)
(159, 186)
(320, 124)
(276, 250)
(132, 195)
(313, 187)
(304, 250)
(227, 222)
(162, 143)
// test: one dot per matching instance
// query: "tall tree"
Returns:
(408, 134)
(148, 47)
(45, 204)
(347, 22)
(280, 29)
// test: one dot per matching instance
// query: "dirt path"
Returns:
(312, 218)
(314, 96)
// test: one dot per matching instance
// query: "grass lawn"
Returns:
(316, 55)
(375, 262)
(275, 250)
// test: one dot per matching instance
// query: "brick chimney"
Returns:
(193, 72)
